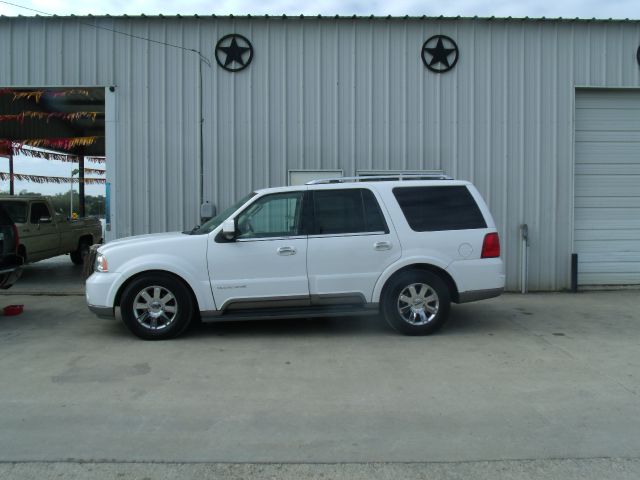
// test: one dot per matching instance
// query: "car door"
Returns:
(350, 244)
(44, 240)
(265, 265)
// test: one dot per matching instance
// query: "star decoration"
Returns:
(443, 58)
(232, 57)
(440, 54)
(234, 53)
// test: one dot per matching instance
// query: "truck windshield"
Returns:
(213, 223)
(17, 210)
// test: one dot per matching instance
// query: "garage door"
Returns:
(607, 187)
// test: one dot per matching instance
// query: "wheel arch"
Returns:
(424, 267)
(22, 251)
(127, 282)
(85, 236)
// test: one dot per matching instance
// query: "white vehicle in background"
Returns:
(403, 246)
(46, 234)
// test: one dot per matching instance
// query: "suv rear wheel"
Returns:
(156, 306)
(416, 303)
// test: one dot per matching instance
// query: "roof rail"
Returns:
(382, 178)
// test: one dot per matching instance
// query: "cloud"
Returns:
(501, 8)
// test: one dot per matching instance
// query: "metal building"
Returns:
(542, 115)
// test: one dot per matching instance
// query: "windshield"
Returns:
(213, 223)
(17, 211)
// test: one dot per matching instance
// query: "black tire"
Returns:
(168, 324)
(78, 256)
(429, 309)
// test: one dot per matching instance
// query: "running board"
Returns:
(293, 312)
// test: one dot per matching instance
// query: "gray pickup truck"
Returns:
(45, 234)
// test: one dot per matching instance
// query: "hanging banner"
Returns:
(45, 179)
(62, 157)
(95, 159)
(37, 94)
(71, 117)
(29, 152)
(94, 171)
(61, 143)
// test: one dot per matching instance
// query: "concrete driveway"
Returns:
(517, 384)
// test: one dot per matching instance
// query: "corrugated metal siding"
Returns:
(339, 94)
(607, 187)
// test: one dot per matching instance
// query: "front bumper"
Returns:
(99, 289)
(102, 312)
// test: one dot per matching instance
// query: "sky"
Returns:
(498, 8)
(40, 166)
(531, 8)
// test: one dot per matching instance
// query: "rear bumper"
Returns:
(102, 312)
(475, 295)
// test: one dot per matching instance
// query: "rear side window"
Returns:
(343, 211)
(430, 209)
(17, 211)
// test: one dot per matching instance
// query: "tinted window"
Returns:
(429, 209)
(17, 210)
(372, 213)
(276, 215)
(347, 211)
(39, 210)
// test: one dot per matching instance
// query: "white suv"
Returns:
(403, 246)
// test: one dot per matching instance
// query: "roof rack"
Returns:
(382, 178)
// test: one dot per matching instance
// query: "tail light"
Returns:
(491, 246)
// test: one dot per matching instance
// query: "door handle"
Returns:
(382, 246)
(286, 251)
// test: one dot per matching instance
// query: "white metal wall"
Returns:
(607, 187)
(344, 94)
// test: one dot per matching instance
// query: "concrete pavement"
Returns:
(525, 378)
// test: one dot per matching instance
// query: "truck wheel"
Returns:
(79, 255)
(156, 306)
(416, 303)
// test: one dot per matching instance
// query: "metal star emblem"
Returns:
(234, 52)
(439, 53)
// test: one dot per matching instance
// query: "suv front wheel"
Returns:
(416, 303)
(156, 306)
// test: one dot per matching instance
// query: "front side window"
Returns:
(216, 221)
(39, 211)
(276, 215)
(430, 209)
(343, 211)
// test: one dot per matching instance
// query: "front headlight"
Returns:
(100, 265)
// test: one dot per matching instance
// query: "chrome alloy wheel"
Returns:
(418, 304)
(155, 307)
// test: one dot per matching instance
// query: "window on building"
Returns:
(300, 177)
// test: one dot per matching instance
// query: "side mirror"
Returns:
(229, 229)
